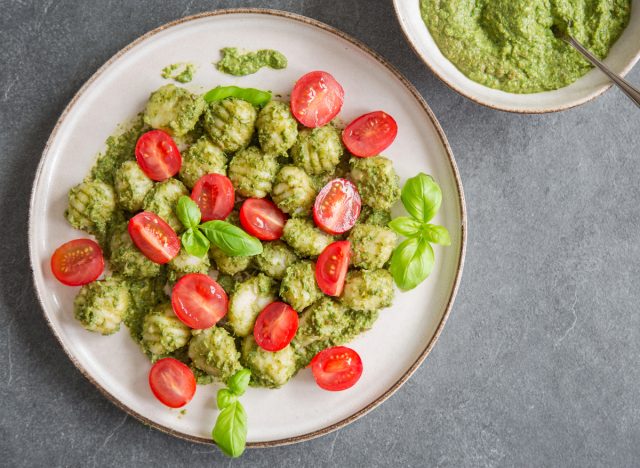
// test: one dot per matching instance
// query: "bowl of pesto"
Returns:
(504, 55)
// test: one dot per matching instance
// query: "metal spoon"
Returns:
(624, 85)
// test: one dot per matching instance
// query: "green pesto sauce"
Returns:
(235, 63)
(509, 45)
(180, 72)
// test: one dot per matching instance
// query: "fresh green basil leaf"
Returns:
(188, 212)
(232, 240)
(436, 234)
(411, 263)
(195, 243)
(421, 197)
(256, 97)
(225, 397)
(230, 431)
(406, 226)
(239, 381)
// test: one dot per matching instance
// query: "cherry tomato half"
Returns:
(332, 266)
(214, 195)
(276, 326)
(316, 99)
(337, 206)
(262, 218)
(370, 134)
(157, 155)
(154, 237)
(77, 262)
(198, 301)
(172, 382)
(336, 368)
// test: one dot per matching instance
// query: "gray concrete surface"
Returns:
(538, 365)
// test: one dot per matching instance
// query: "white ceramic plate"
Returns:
(404, 333)
(622, 57)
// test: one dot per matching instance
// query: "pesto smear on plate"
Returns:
(509, 45)
(235, 63)
(180, 72)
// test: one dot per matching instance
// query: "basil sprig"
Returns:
(412, 260)
(230, 430)
(257, 97)
(197, 239)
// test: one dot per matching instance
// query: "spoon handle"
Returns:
(623, 84)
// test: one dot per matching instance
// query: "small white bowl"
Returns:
(622, 57)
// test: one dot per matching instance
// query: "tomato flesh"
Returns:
(154, 237)
(172, 382)
(158, 155)
(316, 99)
(276, 326)
(214, 195)
(336, 368)
(199, 301)
(337, 206)
(370, 134)
(332, 266)
(262, 218)
(77, 262)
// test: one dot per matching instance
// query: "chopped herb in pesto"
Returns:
(180, 72)
(235, 63)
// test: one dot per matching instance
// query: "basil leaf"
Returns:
(230, 431)
(406, 226)
(188, 212)
(421, 197)
(239, 381)
(195, 243)
(436, 234)
(225, 398)
(256, 97)
(232, 240)
(411, 263)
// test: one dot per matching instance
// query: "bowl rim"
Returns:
(454, 168)
(413, 41)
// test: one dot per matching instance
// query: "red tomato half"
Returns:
(154, 237)
(316, 99)
(157, 155)
(199, 301)
(214, 195)
(337, 206)
(172, 382)
(332, 266)
(276, 326)
(77, 262)
(336, 368)
(370, 134)
(262, 218)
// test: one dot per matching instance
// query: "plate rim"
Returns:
(514, 110)
(408, 85)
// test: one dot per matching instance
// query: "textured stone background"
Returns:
(538, 364)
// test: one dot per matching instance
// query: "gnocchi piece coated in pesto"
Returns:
(202, 157)
(247, 301)
(131, 185)
(230, 123)
(375, 217)
(127, 259)
(163, 199)
(91, 206)
(214, 351)
(293, 191)
(173, 109)
(276, 256)
(305, 238)
(101, 306)
(226, 264)
(371, 246)
(252, 172)
(317, 150)
(320, 326)
(376, 180)
(163, 332)
(277, 128)
(368, 290)
(185, 263)
(299, 287)
(268, 369)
